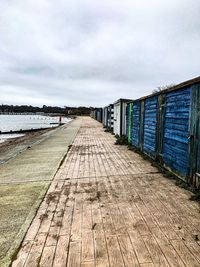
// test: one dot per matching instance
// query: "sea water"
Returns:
(26, 122)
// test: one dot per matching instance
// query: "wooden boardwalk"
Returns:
(108, 207)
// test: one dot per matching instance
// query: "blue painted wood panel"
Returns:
(176, 130)
(127, 119)
(135, 123)
(150, 124)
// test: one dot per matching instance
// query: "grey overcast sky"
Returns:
(69, 52)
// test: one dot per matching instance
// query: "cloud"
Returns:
(93, 52)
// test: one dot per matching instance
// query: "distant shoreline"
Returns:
(31, 130)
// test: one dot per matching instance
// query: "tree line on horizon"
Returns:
(45, 109)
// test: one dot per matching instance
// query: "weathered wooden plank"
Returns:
(147, 265)
(185, 253)
(88, 264)
(77, 220)
(140, 247)
(118, 221)
(194, 247)
(67, 218)
(101, 253)
(47, 256)
(34, 227)
(97, 222)
(36, 251)
(74, 259)
(107, 221)
(114, 252)
(139, 222)
(87, 216)
(23, 254)
(128, 253)
(87, 246)
(61, 253)
(157, 255)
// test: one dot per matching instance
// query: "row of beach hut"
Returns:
(165, 126)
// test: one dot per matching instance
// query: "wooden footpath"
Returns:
(109, 207)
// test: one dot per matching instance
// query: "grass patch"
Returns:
(121, 140)
(108, 130)
(196, 196)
